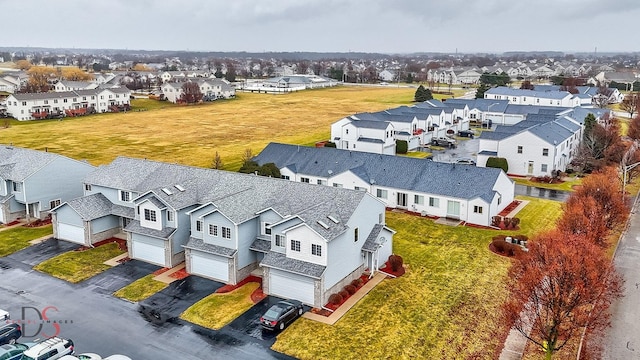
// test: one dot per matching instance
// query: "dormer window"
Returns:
(17, 187)
(169, 215)
(149, 215)
(125, 196)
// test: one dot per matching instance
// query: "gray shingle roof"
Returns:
(18, 163)
(507, 91)
(135, 227)
(237, 196)
(261, 245)
(280, 261)
(91, 207)
(200, 245)
(368, 124)
(462, 182)
(370, 244)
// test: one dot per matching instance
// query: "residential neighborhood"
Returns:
(301, 181)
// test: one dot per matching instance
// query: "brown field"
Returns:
(192, 134)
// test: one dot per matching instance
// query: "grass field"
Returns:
(140, 289)
(76, 266)
(18, 238)
(191, 135)
(444, 307)
(565, 186)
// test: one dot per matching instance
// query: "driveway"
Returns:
(169, 303)
(35, 254)
(466, 149)
(119, 276)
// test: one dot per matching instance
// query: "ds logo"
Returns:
(44, 325)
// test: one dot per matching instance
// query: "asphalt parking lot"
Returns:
(466, 149)
(97, 322)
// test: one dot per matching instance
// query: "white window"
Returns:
(286, 177)
(149, 215)
(321, 182)
(359, 188)
(418, 199)
(304, 180)
(477, 209)
(434, 202)
(226, 233)
(125, 196)
(337, 185)
(198, 225)
(545, 152)
(519, 149)
(213, 230)
(87, 187)
(295, 245)
(54, 203)
(280, 240)
(266, 230)
(355, 235)
(382, 194)
(543, 167)
(316, 250)
(169, 215)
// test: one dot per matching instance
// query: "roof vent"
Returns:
(324, 225)
(167, 191)
(333, 219)
(179, 187)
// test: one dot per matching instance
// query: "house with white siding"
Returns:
(29, 106)
(210, 89)
(306, 241)
(462, 192)
(34, 182)
(65, 85)
(532, 97)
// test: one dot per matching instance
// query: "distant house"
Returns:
(387, 75)
(532, 97)
(211, 89)
(7, 86)
(463, 192)
(33, 182)
(307, 242)
(30, 106)
(64, 85)
(538, 146)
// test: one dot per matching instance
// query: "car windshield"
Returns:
(273, 313)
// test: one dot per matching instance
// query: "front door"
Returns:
(530, 168)
(402, 200)
(453, 209)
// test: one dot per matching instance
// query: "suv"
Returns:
(466, 133)
(10, 333)
(444, 142)
(49, 349)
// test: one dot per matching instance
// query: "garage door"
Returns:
(291, 286)
(71, 233)
(1, 217)
(149, 251)
(210, 266)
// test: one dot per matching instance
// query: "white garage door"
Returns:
(71, 233)
(291, 286)
(148, 251)
(210, 266)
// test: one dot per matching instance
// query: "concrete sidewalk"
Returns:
(22, 222)
(351, 301)
(165, 276)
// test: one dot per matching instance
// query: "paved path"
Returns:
(623, 338)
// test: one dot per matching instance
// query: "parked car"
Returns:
(117, 357)
(50, 349)
(444, 142)
(14, 352)
(466, 133)
(466, 161)
(84, 356)
(281, 314)
(10, 333)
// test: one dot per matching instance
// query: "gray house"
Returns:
(33, 182)
(306, 242)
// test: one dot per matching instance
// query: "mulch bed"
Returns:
(124, 260)
(180, 274)
(160, 271)
(493, 250)
(14, 222)
(38, 223)
(122, 244)
(387, 269)
(330, 308)
(228, 288)
(479, 226)
(514, 204)
(257, 295)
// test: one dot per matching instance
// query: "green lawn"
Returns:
(18, 238)
(76, 266)
(444, 307)
(140, 289)
(416, 154)
(565, 186)
(217, 310)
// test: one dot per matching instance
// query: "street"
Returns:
(98, 322)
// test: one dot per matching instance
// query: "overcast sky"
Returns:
(386, 26)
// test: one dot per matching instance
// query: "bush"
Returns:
(499, 238)
(506, 248)
(330, 144)
(343, 293)
(395, 262)
(521, 237)
(335, 299)
(350, 289)
(498, 162)
(499, 245)
(496, 220)
(515, 222)
(402, 147)
(507, 222)
(357, 282)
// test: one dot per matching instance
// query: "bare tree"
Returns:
(217, 162)
(603, 96)
(631, 103)
(191, 92)
(247, 155)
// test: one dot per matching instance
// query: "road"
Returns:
(623, 338)
(98, 322)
